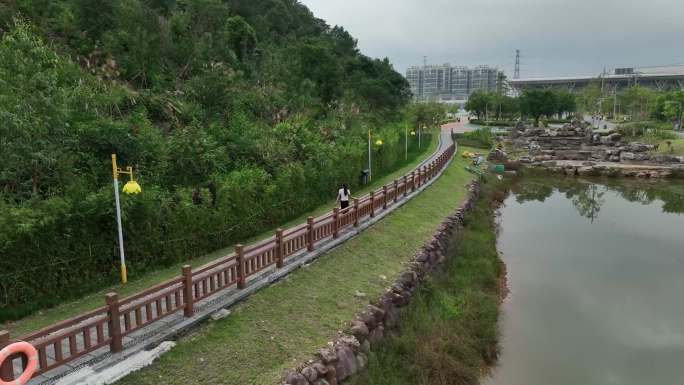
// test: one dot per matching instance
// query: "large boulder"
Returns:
(626, 156)
(327, 355)
(497, 155)
(638, 147)
(310, 373)
(346, 362)
(359, 330)
(294, 378)
(534, 132)
(518, 129)
(663, 158)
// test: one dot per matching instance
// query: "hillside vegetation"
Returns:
(237, 115)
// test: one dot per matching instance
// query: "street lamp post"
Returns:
(370, 165)
(406, 141)
(420, 134)
(131, 188)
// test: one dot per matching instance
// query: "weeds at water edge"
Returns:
(449, 332)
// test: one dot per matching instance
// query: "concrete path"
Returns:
(173, 325)
(460, 127)
(600, 123)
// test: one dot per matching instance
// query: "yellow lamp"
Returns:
(132, 188)
(378, 142)
(413, 133)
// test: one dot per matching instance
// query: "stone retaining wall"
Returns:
(348, 353)
(643, 171)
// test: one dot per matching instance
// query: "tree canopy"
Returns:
(235, 114)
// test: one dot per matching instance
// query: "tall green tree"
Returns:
(480, 102)
(566, 103)
(638, 101)
(538, 103)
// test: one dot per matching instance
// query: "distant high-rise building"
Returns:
(483, 78)
(460, 82)
(451, 83)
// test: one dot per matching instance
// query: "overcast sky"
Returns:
(556, 37)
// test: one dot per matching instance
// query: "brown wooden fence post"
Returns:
(405, 185)
(240, 261)
(336, 222)
(384, 197)
(310, 233)
(280, 251)
(188, 297)
(7, 370)
(116, 344)
(356, 212)
(372, 203)
(413, 181)
(396, 190)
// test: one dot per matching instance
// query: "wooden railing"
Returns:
(107, 326)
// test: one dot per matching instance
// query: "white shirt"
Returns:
(344, 197)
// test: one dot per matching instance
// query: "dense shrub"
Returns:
(494, 123)
(481, 138)
(647, 131)
(236, 116)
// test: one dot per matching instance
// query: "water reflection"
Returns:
(587, 196)
(595, 297)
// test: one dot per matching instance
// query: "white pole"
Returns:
(118, 223)
(370, 169)
(406, 139)
(124, 274)
(420, 135)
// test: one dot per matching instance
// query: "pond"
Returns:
(596, 278)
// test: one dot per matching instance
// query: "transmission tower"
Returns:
(516, 74)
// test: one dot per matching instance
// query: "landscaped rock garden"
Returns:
(578, 141)
(575, 148)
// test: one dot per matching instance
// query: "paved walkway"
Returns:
(600, 123)
(460, 127)
(175, 324)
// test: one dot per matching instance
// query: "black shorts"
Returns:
(344, 204)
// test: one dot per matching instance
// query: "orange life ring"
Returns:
(21, 348)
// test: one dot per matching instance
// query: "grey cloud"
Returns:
(556, 37)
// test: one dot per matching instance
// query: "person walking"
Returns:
(343, 196)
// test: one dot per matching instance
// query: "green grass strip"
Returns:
(282, 325)
(449, 333)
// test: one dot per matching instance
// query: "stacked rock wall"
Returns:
(348, 353)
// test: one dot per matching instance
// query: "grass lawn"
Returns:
(281, 325)
(139, 283)
(676, 149)
(449, 332)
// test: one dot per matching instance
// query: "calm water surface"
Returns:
(596, 278)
